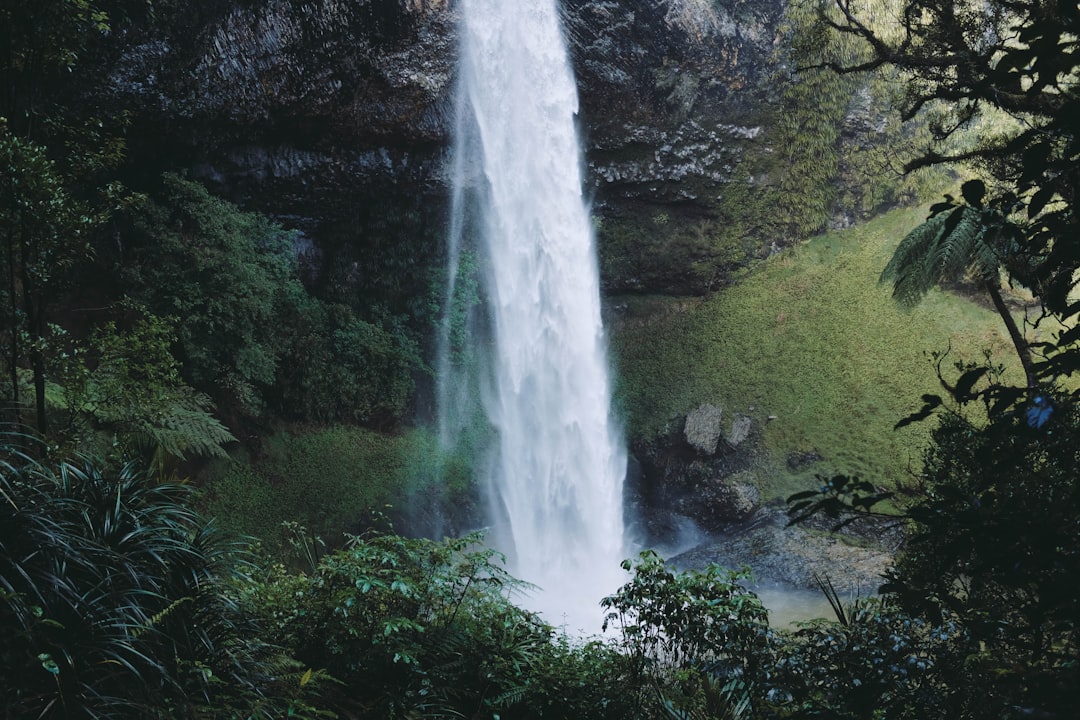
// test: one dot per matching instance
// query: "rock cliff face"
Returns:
(336, 115)
(671, 92)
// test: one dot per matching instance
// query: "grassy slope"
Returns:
(813, 339)
(329, 480)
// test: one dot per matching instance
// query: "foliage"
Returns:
(59, 169)
(422, 628)
(839, 496)
(111, 596)
(125, 384)
(808, 128)
(251, 333)
(995, 544)
(957, 241)
(42, 229)
(876, 661)
(336, 367)
(1016, 60)
(691, 634)
(992, 548)
(195, 257)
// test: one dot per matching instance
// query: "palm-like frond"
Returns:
(186, 429)
(958, 240)
(955, 241)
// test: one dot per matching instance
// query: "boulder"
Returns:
(702, 429)
(693, 472)
(740, 430)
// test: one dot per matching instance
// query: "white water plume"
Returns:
(557, 462)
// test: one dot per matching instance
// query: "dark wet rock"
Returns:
(800, 459)
(693, 472)
(793, 556)
(335, 116)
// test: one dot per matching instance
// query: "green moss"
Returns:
(814, 342)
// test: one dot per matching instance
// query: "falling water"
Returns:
(556, 465)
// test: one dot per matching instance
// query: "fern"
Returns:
(954, 241)
(185, 427)
(959, 239)
(511, 697)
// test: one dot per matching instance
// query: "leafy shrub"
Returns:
(992, 552)
(336, 367)
(415, 627)
(696, 638)
(996, 544)
(123, 383)
(109, 594)
(196, 257)
(876, 661)
(250, 332)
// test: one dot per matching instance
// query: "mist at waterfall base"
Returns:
(528, 365)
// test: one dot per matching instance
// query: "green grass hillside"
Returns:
(330, 479)
(811, 338)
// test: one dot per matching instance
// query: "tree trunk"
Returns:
(1023, 350)
(35, 320)
(13, 304)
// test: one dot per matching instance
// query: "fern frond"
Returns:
(510, 698)
(156, 619)
(945, 248)
(910, 268)
(182, 430)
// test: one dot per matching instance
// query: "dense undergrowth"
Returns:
(117, 600)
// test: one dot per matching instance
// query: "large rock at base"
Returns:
(702, 429)
(694, 473)
(740, 429)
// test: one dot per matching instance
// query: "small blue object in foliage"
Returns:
(1040, 411)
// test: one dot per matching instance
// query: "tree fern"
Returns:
(950, 245)
(185, 428)
(959, 240)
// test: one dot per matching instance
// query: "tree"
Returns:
(958, 240)
(193, 256)
(997, 82)
(56, 162)
(251, 334)
(693, 638)
(992, 547)
(42, 229)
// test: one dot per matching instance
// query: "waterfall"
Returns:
(539, 371)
